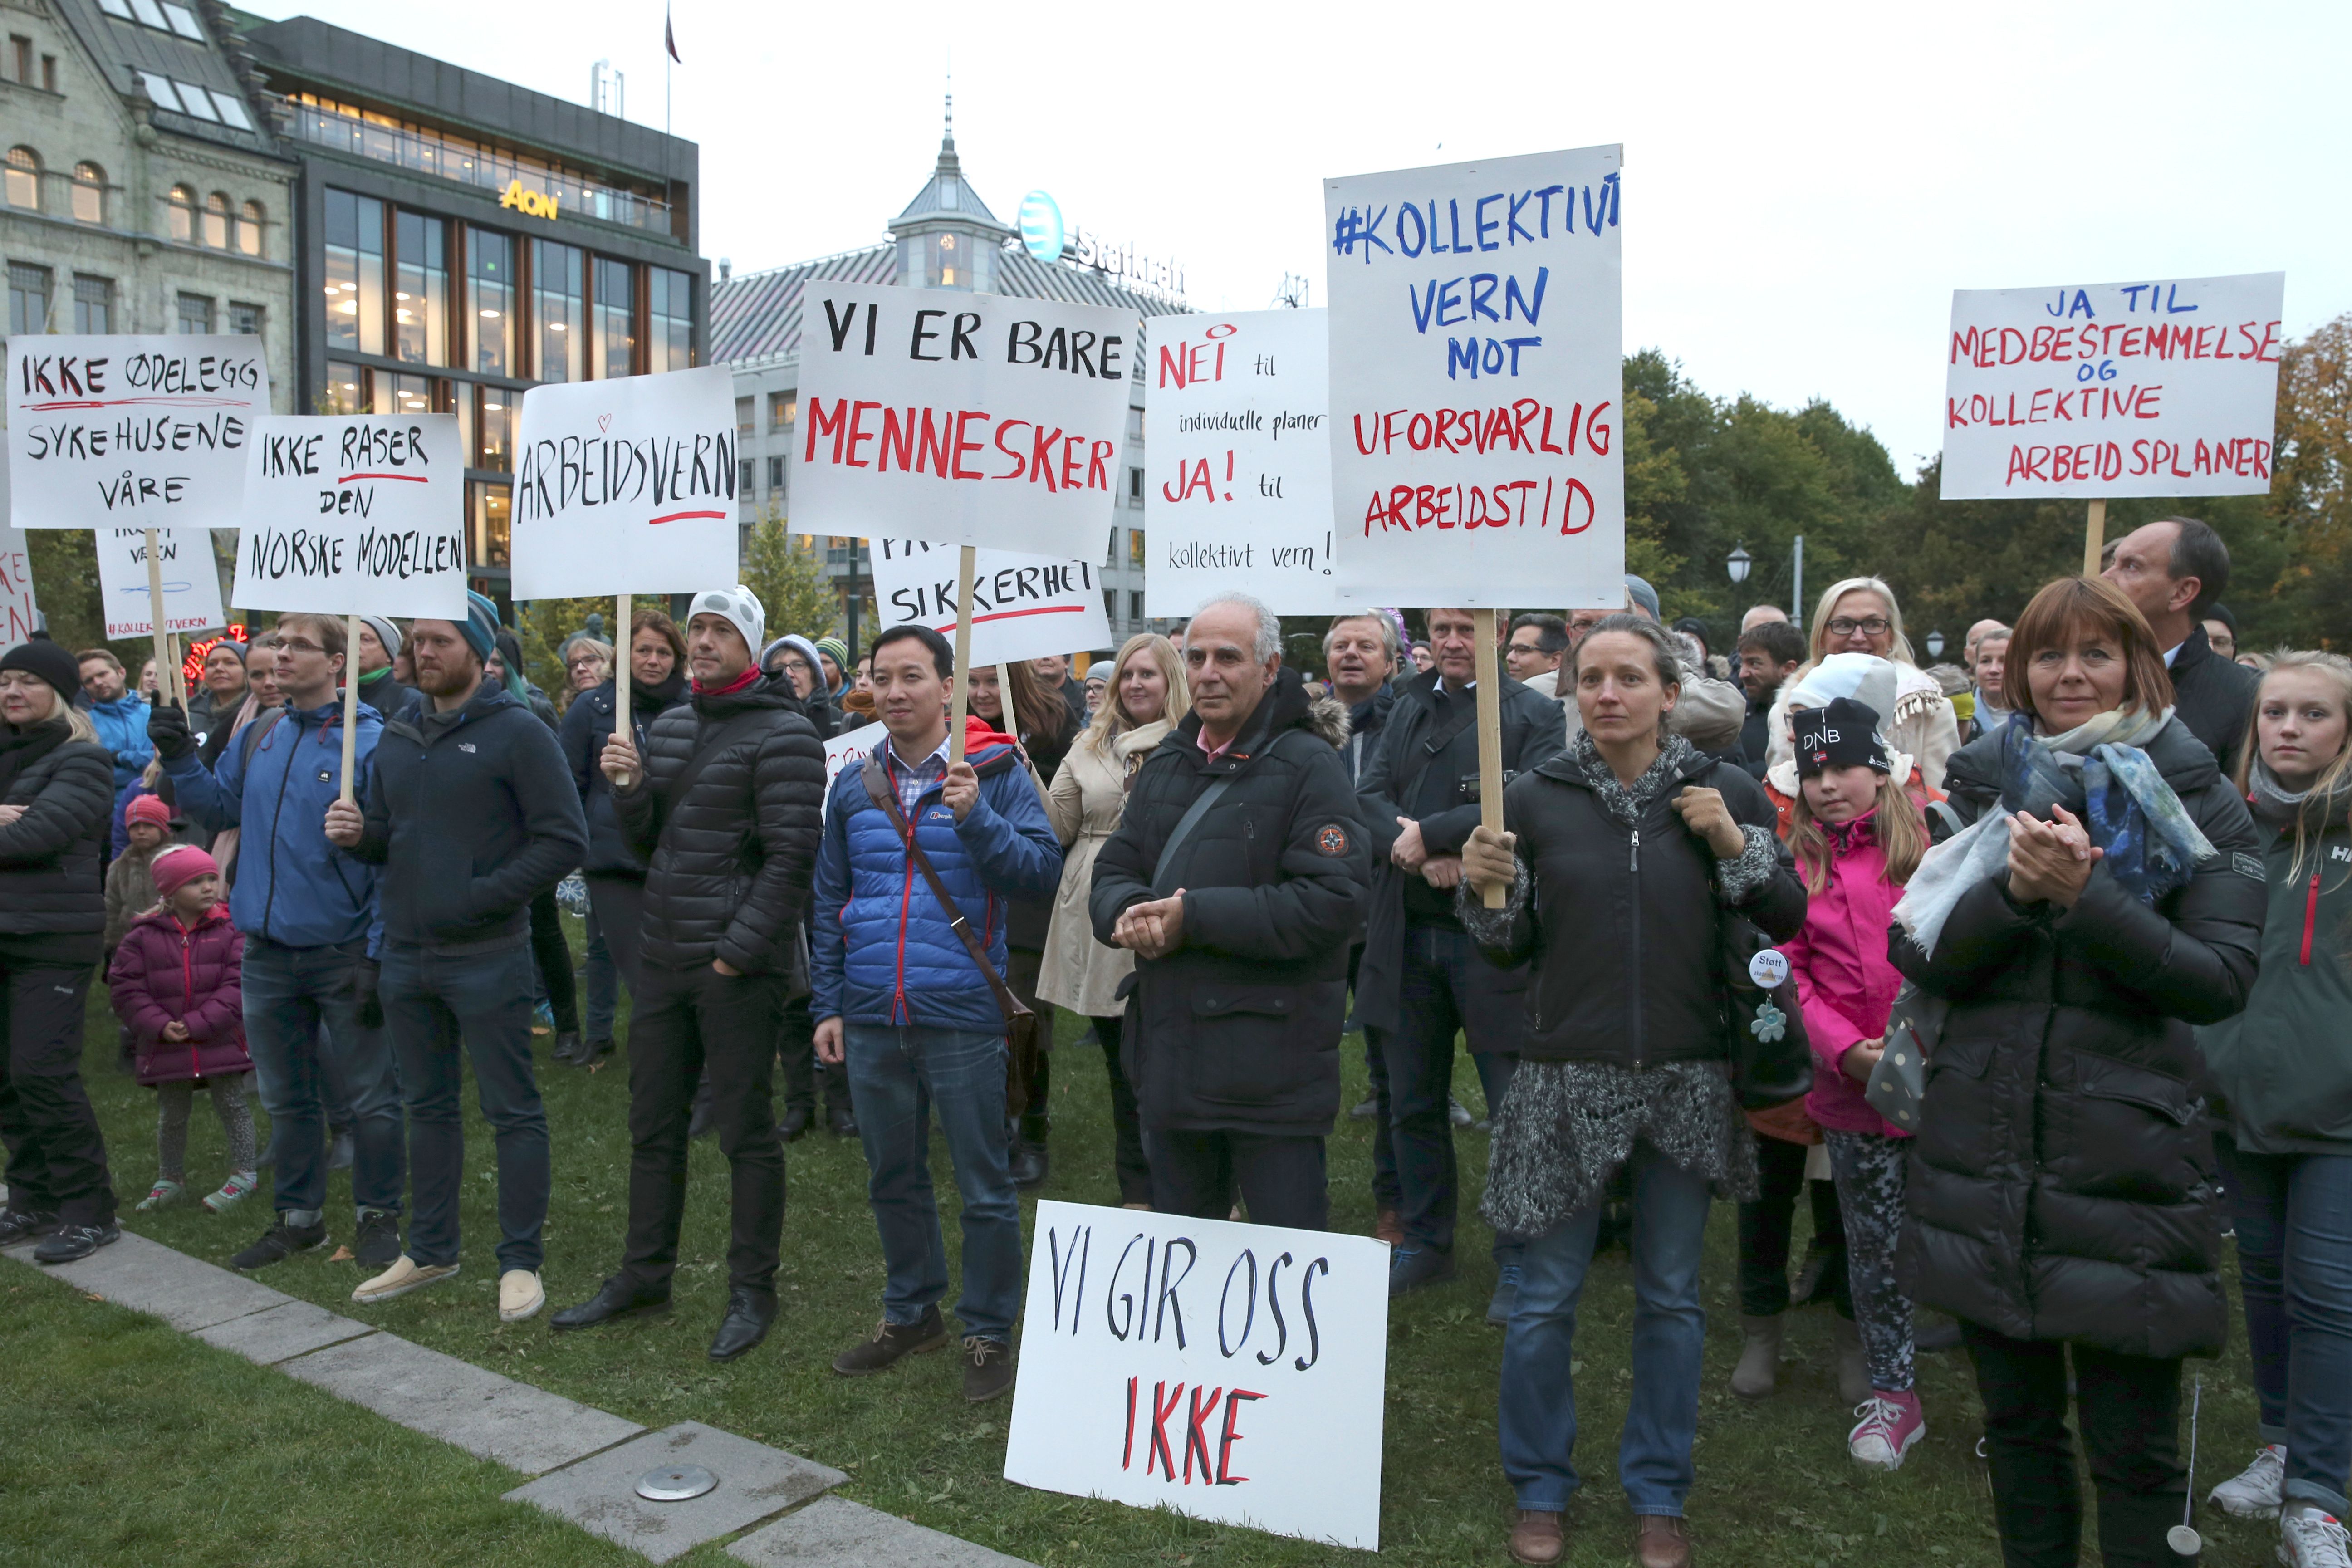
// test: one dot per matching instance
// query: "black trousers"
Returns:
(797, 1048)
(1021, 970)
(57, 1156)
(1280, 1177)
(1125, 1126)
(1765, 1224)
(554, 956)
(620, 906)
(688, 1022)
(2129, 1409)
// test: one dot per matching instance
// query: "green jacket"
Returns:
(2283, 1067)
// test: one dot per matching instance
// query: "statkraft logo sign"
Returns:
(1041, 226)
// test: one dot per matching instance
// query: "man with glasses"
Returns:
(307, 909)
(1538, 642)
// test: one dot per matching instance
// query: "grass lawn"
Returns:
(127, 1444)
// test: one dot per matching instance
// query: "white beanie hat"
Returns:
(740, 606)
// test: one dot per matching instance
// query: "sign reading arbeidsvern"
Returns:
(960, 419)
(124, 431)
(626, 486)
(354, 514)
(1230, 1372)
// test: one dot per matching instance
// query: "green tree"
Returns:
(788, 575)
(544, 625)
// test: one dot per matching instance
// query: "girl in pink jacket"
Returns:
(1857, 836)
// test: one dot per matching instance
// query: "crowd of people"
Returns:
(2022, 972)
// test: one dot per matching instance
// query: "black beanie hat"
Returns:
(1842, 735)
(47, 660)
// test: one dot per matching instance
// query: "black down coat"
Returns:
(2061, 1185)
(53, 858)
(728, 866)
(1238, 1029)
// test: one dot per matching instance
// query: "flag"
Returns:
(669, 37)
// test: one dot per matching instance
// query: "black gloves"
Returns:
(167, 728)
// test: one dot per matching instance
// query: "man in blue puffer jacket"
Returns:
(118, 716)
(898, 995)
(307, 910)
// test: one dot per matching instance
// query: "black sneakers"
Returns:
(24, 1224)
(72, 1242)
(891, 1343)
(987, 1368)
(377, 1245)
(279, 1243)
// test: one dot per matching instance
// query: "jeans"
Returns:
(2293, 1214)
(603, 982)
(689, 1021)
(1281, 1177)
(899, 1074)
(1444, 988)
(303, 1025)
(2131, 1411)
(432, 1002)
(554, 967)
(56, 1156)
(1765, 1224)
(804, 1075)
(1538, 1414)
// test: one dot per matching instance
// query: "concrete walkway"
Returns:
(585, 1462)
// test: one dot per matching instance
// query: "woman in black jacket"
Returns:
(1622, 853)
(615, 875)
(57, 786)
(2061, 1190)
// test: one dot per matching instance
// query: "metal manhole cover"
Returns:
(675, 1483)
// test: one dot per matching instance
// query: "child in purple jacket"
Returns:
(175, 981)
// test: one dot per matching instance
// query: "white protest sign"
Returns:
(354, 514)
(1477, 383)
(131, 431)
(1238, 493)
(2113, 389)
(626, 486)
(960, 419)
(1023, 607)
(850, 751)
(1232, 1371)
(19, 615)
(192, 601)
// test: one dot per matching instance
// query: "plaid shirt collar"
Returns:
(912, 779)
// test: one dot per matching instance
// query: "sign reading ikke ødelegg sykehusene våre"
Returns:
(626, 486)
(2167, 388)
(1023, 607)
(1232, 1371)
(192, 600)
(354, 514)
(1476, 373)
(129, 430)
(1238, 489)
(960, 419)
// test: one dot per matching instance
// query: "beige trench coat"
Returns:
(1088, 794)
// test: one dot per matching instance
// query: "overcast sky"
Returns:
(1805, 184)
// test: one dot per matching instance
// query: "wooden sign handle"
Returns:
(351, 703)
(960, 700)
(1490, 742)
(2095, 538)
(621, 674)
(165, 687)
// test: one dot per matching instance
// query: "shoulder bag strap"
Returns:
(1184, 830)
(878, 789)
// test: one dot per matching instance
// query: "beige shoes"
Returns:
(404, 1275)
(519, 1296)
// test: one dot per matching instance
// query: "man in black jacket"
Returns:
(726, 810)
(1240, 925)
(2172, 571)
(1361, 654)
(1770, 653)
(1422, 982)
(472, 814)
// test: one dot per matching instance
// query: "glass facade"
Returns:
(490, 299)
(499, 412)
(354, 257)
(491, 529)
(669, 326)
(615, 304)
(420, 293)
(558, 309)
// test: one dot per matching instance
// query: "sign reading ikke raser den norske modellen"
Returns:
(354, 514)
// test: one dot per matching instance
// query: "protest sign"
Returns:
(1023, 607)
(627, 484)
(850, 751)
(1235, 1372)
(182, 559)
(960, 419)
(1475, 383)
(1238, 493)
(19, 615)
(351, 514)
(2103, 390)
(131, 431)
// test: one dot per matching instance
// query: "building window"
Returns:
(1135, 604)
(196, 102)
(613, 306)
(402, 394)
(184, 22)
(28, 299)
(24, 178)
(948, 266)
(88, 194)
(218, 222)
(354, 269)
(1134, 548)
(195, 313)
(1110, 605)
(559, 309)
(420, 288)
(245, 320)
(783, 409)
(743, 425)
(669, 328)
(48, 73)
(775, 475)
(491, 532)
(249, 226)
(120, 8)
(93, 303)
(489, 298)
(743, 479)
(347, 389)
(497, 425)
(182, 210)
(1135, 484)
(21, 47)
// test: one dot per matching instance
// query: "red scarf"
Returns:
(742, 682)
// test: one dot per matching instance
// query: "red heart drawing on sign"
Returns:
(604, 422)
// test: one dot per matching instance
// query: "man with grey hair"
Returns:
(1235, 878)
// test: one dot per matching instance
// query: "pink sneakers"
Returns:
(1890, 1424)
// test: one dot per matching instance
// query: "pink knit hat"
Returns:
(148, 808)
(178, 866)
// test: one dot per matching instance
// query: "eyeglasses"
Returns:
(297, 645)
(1846, 625)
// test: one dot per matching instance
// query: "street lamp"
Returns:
(1739, 564)
(1935, 645)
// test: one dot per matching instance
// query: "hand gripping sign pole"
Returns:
(2095, 538)
(1490, 743)
(960, 700)
(621, 674)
